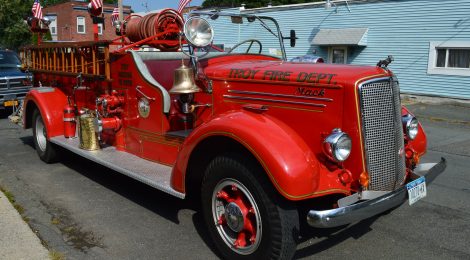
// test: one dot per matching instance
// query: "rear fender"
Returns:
(51, 103)
(287, 160)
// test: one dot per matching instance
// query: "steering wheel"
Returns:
(251, 41)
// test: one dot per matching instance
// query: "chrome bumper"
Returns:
(366, 209)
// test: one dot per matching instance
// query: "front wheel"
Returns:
(45, 149)
(246, 218)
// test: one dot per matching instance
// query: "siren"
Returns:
(94, 11)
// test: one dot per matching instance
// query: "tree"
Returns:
(252, 3)
(13, 30)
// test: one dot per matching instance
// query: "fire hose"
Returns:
(165, 26)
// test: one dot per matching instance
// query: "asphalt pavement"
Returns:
(85, 211)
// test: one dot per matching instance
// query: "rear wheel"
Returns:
(45, 149)
(246, 218)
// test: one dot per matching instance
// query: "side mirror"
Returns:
(293, 38)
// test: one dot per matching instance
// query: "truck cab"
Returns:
(14, 83)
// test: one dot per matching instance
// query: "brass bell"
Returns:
(184, 81)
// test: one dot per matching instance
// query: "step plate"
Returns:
(150, 173)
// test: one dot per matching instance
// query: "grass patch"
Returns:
(55, 221)
(26, 219)
(450, 121)
(437, 119)
(18, 208)
(12, 200)
(8, 194)
(54, 255)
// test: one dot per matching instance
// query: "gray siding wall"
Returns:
(402, 28)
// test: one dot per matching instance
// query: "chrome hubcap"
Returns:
(236, 216)
(41, 134)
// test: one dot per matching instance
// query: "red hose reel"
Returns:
(158, 30)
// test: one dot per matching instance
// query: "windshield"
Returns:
(9, 60)
(252, 34)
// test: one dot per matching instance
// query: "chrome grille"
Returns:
(3, 83)
(383, 134)
(14, 82)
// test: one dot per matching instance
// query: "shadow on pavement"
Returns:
(5, 112)
(331, 237)
(152, 199)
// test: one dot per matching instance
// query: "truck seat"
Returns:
(158, 69)
(144, 71)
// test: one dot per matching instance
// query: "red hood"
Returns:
(264, 68)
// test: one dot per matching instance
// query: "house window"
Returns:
(100, 29)
(449, 58)
(81, 24)
(338, 55)
(53, 25)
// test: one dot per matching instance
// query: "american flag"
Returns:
(182, 5)
(37, 9)
(97, 4)
(115, 15)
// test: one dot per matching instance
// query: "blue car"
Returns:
(14, 84)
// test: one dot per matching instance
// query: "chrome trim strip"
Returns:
(278, 95)
(363, 195)
(357, 212)
(274, 101)
(15, 77)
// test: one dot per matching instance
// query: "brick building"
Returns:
(71, 21)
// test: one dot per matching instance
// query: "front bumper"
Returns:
(18, 94)
(366, 209)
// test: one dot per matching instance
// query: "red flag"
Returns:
(37, 9)
(97, 3)
(182, 5)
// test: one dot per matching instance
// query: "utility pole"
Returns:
(121, 11)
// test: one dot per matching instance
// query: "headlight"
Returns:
(198, 32)
(337, 146)
(410, 126)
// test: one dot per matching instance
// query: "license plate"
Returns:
(10, 103)
(416, 190)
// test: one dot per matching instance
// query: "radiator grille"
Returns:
(11, 83)
(383, 134)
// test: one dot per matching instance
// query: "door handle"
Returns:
(143, 94)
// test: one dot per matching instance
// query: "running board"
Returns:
(151, 173)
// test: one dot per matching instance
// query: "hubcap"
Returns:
(41, 134)
(236, 216)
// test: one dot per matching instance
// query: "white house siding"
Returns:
(402, 28)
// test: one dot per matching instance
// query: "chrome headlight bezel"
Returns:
(337, 146)
(410, 126)
(198, 32)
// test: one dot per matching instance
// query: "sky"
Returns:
(139, 5)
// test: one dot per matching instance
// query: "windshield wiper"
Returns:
(266, 26)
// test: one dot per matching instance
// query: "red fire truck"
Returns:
(263, 143)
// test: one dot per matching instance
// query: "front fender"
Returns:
(289, 163)
(51, 103)
(419, 144)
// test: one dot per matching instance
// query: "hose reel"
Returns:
(164, 26)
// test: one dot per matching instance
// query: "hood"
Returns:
(255, 68)
(10, 72)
